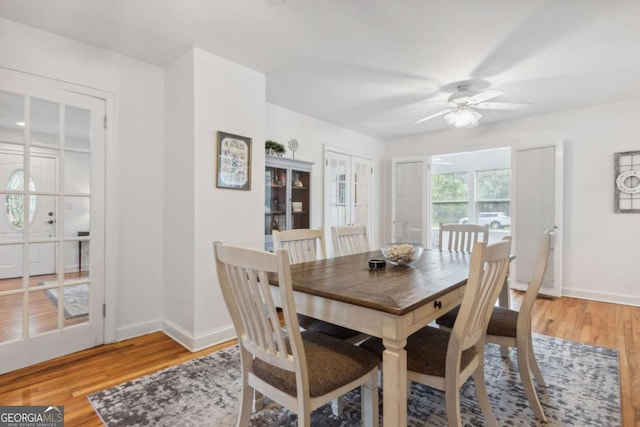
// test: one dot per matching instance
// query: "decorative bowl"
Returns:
(401, 253)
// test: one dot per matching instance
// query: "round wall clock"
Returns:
(627, 182)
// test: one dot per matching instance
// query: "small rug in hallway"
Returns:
(582, 390)
(76, 299)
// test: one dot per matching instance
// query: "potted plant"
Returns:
(273, 148)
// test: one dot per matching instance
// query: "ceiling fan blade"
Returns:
(433, 116)
(508, 106)
(485, 96)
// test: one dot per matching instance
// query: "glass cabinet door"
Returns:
(300, 199)
(287, 200)
(275, 204)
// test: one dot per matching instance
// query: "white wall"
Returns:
(138, 89)
(228, 98)
(600, 246)
(178, 230)
(313, 135)
(206, 94)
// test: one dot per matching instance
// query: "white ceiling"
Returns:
(367, 64)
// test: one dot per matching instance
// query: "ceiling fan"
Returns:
(463, 106)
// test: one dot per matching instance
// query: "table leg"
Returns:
(394, 382)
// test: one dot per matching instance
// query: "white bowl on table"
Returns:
(401, 254)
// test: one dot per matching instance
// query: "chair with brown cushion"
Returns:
(511, 328)
(304, 245)
(349, 239)
(300, 370)
(462, 237)
(446, 359)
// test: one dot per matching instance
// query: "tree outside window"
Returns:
(450, 197)
(493, 188)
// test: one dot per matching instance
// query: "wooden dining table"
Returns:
(390, 303)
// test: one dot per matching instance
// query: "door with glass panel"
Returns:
(348, 191)
(51, 221)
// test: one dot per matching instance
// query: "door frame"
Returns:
(111, 187)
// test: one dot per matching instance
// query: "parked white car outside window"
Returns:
(494, 219)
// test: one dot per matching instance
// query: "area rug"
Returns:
(582, 390)
(76, 299)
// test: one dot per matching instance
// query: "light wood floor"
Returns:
(68, 380)
(43, 313)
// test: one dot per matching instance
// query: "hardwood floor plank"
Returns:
(68, 380)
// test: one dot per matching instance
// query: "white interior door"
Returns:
(337, 189)
(362, 186)
(348, 191)
(52, 180)
(538, 176)
(41, 214)
(408, 201)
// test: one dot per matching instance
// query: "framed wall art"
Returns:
(627, 182)
(234, 162)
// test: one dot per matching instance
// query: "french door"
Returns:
(348, 191)
(52, 180)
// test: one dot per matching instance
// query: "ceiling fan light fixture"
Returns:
(463, 118)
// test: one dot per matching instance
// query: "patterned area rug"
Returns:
(76, 299)
(582, 390)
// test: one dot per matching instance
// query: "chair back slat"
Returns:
(303, 245)
(487, 273)
(244, 280)
(246, 305)
(462, 237)
(349, 239)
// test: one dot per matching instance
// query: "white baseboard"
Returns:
(213, 337)
(602, 296)
(589, 295)
(138, 329)
(200, 341)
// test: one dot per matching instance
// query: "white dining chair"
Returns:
(445, 359)
(510, 328)
(349, 239)
(304, 245)
(299, 370)
(461, 237)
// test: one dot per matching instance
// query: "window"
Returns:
(472, 187)
(450, 198)
(493, 192)
(14, 203)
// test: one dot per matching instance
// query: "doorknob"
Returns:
(50, 214)
(49, 222)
